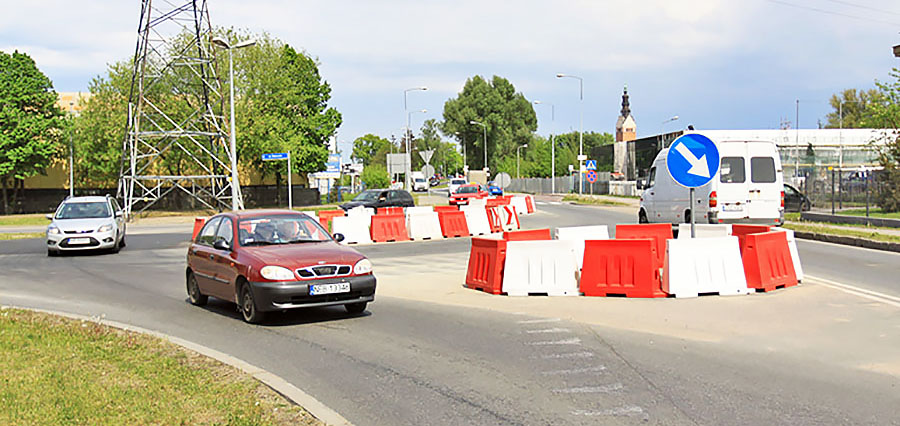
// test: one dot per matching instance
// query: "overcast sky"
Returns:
(716, 64)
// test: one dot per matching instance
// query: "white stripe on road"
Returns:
(857, 291)
(592, 389)
(596, 369)
(568, 355)
(621, 411)
(548, 330)
(575, 341)
(539, 321)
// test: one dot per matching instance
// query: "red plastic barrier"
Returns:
(198, 225)
(325, 217)
(389, 227)
(440, 209)
(512, 218)
(529, 203)
(495, 219)
(486, 261)
(767, 261)
(741, 231)
(453, 224)
(388, 210)
(493, 202)
(528, 235)
(621, 267)
(659, 232)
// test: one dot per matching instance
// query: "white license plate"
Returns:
(79, 241)
(329, 288)
(732, 208)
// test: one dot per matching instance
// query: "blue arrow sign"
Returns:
(275, 156)
(693, 160)
(591, 165)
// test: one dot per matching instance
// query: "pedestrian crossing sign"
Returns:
(591, 165)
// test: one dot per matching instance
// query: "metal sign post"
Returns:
(278, 156)
(693, 161)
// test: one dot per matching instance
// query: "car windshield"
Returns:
(370, 195)
(280, 229)
(458, 182)
(467, 190)
(84, 210)
(420, 179)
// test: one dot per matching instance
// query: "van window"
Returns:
(762, 169)
(732, 170)
(652, 179)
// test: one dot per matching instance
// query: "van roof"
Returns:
(665, 151)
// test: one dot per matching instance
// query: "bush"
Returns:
(889, 194)
(375, 176)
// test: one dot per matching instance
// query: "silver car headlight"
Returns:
(276, 273)
(53, 230)
(105, 228)
(362, 267)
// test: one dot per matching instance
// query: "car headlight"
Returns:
(363, 267)
(276, 273)
(53, 230)
(105, 228)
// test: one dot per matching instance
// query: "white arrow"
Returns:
(698, 166)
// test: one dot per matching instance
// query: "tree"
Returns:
(375, 176)
(885, 111)
(30, 121)
(509, 117)
(371, 149)
(853, 104)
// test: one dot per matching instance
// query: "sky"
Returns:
(725, 64)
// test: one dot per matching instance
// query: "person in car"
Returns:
(264, 231)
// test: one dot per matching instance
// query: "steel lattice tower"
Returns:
(175, 137)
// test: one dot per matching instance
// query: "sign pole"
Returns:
(290, 187)
(693, 231)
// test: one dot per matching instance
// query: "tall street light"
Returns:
(661, 128)
(409, 131)
(581, 156)
(462, 140)
(485, 142)
(518, 176)
(552, 146)
(408, 182)
(235, 184)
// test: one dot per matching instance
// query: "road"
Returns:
(431, 352)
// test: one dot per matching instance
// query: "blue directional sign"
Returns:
(591, 165)
(693, 160)
(275, 156)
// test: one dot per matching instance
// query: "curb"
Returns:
(849, 241)
(276, 383)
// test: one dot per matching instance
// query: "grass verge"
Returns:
(81, 372)
(24, 220)
(821, 228)
(872, 213)
(6, 236)
(592, 201)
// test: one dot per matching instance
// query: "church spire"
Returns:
(626, 107)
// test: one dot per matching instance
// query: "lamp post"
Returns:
(581, 156)
(662, 126)
(409, 133)
(462, 140)
(518, 176)
(235, 184)
(485, 141)
(406, 169)
(552, 146)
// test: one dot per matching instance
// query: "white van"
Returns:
(418, 181)
(748, 188)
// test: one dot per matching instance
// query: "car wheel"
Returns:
(642, 217)
(122, 242)
(356, 308)
(116, 247)
(248, 306)
(196, 297)
(52, 253)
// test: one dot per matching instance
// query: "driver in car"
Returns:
(264, 231)
(287, 230)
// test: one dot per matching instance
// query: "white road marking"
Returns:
(857, 291)
(592, 389)
(541, 203)
(630, 410)
(539, 321)
(569, 355)
(596, 369)
(575, 341)
(548, 330)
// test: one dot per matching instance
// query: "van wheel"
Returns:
(642, 217)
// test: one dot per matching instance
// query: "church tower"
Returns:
(626, 130)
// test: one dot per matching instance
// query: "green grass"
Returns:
(23, 220)
(820, 228)
(61, 372)
(592, 201)
(6, 236)
(872, 213)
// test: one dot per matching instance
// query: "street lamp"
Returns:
(462, 140)
(552, 146)
(518, 176)
(407, 168)
(581, 156)
(235, 184)
(409, 131)
(485, 142)
(661, 128)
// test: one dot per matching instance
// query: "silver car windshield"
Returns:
(84, 210)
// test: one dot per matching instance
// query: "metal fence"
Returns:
(564, 185)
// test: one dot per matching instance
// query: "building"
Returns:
(626, 131)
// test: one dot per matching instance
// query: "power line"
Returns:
(831, 12)
(847, 3)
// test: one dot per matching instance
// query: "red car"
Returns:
(465, 192)
(273, 260)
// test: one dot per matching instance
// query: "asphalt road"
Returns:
(516, 361)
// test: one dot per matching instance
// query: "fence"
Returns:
(567, 184)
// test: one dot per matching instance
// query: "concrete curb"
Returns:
(849, 241)
(278, 384)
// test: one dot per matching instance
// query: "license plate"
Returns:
(78, 241)
(732, 208)
(329, 288)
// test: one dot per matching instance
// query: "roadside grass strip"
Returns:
(63, 371)
(24, 220)
(820, 228)
(20, 235)
(872, 213)
(592, 201)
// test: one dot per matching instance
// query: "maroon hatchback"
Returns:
(273, 260)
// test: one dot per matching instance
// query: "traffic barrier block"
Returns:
(361, 211)
(423, 226)
(495, 218)
(704, 265)
(486, 264)
(509, 218)
(580, 234)
(355, 228)
(529, 204)
(478, 202)
(389, 210)
(448, 208)
(389, 227)
(659, 232)
(494, 202)
(419, 210)
(740, 231)
(795, 255)
(527, 235)
(767, 261)
(453, 224)
(325, 217)
(704, 230)
(540, 267)
(476, 220)
(621, 267)
(198, 225)
(519, 203)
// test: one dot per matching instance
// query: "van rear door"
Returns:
(765, 183)
(733, 184)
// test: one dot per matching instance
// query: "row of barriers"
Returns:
(644, 260)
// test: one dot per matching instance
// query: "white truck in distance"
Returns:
(419, 183)
(748, 188)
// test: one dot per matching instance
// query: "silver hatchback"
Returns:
(86, 223)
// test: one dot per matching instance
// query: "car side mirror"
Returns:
(49, 216)
(222, 245)
(338, 237)
(640, 184)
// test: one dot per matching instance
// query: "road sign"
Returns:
(693, 160)
(582, 157)
(334, 163)
(275, 156)
(502, 180)
(428, 170)
(591, 165)
(426, 155)
(592, 176)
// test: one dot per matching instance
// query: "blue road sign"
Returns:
(592, 176)
(275, 156)
(693, 160)
(591, 165)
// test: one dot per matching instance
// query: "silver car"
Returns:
(86, 223)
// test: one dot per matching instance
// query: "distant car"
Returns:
(378, 198)
(466, 192)
(86, 223)
(494, 189)
(454, 184)
(435, 181)
(272, 260)
(794, 200)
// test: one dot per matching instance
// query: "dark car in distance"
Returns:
(274, 260)
(377, 198)
(795, 201)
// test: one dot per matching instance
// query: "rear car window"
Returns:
(762, 170)
(731, 170)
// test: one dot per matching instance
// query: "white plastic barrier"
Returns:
(704, 265)
(519, 203)
(424, 226)
(354, 228)
(478, 202)
(704, 230)
(540, 267)
(476, 220)
(361, 211)
(419, 210)
(311, 214)
(795, 255)
(579, 234)
(509, 220)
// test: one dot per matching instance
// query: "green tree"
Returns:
(854, 105)
(509, 117)
(371, 149)
(30, 121)
(375, 176)
(885, 113)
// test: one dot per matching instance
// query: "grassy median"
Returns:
(578, 199)
(62, 371)
(5, 236)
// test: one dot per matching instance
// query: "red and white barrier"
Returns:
(540, 267)
(704, 265)
(354, 228)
